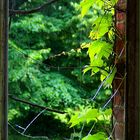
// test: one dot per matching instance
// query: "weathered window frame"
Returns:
(132, 96)
(3, 69)
(133, 71)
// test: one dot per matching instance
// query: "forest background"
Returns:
(60, 57)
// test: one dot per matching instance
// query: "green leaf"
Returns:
(97, 50)
(85, 5)
(97, 136)
(109, 79)
(91, 114)
(101, 26)
(87, 69)
(86, 116)
(108, 112)
(111, 34)
(114, 2)
(74, 120)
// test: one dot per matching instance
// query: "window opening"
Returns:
(57, 75)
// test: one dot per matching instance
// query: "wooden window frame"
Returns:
(132, 93)
(132, 97)
(3, 69)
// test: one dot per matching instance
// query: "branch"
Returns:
(24, 12)
(35, 105)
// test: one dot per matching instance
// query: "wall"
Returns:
(119, 81)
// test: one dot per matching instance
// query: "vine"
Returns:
(101, 58)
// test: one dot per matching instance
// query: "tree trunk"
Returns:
(3, 68)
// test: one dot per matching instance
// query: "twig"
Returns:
(24, 12)
(46, 66)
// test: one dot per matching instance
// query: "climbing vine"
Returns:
(101, 57)
(63, 57)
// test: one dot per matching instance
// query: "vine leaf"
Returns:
(87, 69)
(111, 34)
(86, 116)
(89, 115)
(108, 81)
(86, 4)
(98, 50)
(114, 2)
(108, 112)
(97, 136)
(101, 26)
(74, 120)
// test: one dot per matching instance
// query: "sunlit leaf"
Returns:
(74, 120)
(114, 2)
(97, 136)
(108, 112)
(97, 50)
(109, 77)
(111, 34)
(85, 116)
(101, 26)
(85, 5)
(87, 69)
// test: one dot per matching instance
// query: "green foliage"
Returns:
(97, 136)
(99, 49)
(90, 115)
(101, 26)
(85, 5)
(46, 61)
(108, 77)
(31, 83)
(35, 76)
(114, 2)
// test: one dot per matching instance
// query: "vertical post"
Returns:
(3, 68)
(120, 61)
(133, 70)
